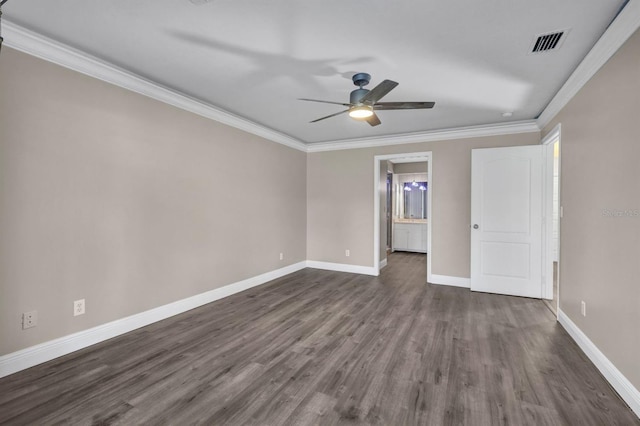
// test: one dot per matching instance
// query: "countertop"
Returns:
(410, 221)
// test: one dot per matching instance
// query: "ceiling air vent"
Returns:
(549, 41)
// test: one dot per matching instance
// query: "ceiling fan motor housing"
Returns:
(357, 94)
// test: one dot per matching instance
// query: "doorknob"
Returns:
(476, 226)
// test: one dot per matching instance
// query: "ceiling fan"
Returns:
(363, 103)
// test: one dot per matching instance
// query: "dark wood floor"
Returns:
(319, 347)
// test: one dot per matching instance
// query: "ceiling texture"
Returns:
(255, 58)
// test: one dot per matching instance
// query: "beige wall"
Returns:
(340, 201)
(417, 167)
(600, 255)
(127, 202)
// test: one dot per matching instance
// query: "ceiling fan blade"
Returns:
(324, 102)
(403, 105)
(378, 92)
(329, 116)
(373, 120)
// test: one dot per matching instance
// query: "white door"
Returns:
(506, 220)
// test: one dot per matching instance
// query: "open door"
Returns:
(506, 220)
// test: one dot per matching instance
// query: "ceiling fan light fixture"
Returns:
(361, 112)
(364, 103)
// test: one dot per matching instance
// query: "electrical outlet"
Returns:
(78, 307)
(583, 308)
(347, 252)
(281, 256)
(29, 319)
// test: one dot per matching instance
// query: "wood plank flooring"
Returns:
(327, 348)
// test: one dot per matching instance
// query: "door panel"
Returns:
(495, 204)
(505, 260)
(506, 217)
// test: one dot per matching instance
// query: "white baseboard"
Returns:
(383, 263)
(620, 383)
(25, 358)
(342, 267)
(452, 281)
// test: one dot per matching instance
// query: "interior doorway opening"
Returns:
(389, 209)
(403, 186)
(554, 211)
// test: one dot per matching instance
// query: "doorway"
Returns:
(389, 209)
(383, 213)
(554, 211)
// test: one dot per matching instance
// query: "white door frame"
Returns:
(548, 141)
(411, 157)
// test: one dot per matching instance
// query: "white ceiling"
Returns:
(254, 58)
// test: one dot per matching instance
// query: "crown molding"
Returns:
(19, 38)
(529, 126)
(625, 24)
(34, 44)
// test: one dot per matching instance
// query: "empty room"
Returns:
(319, 213)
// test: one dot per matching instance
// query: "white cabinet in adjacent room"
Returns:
(400, 238)
(410, 237)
